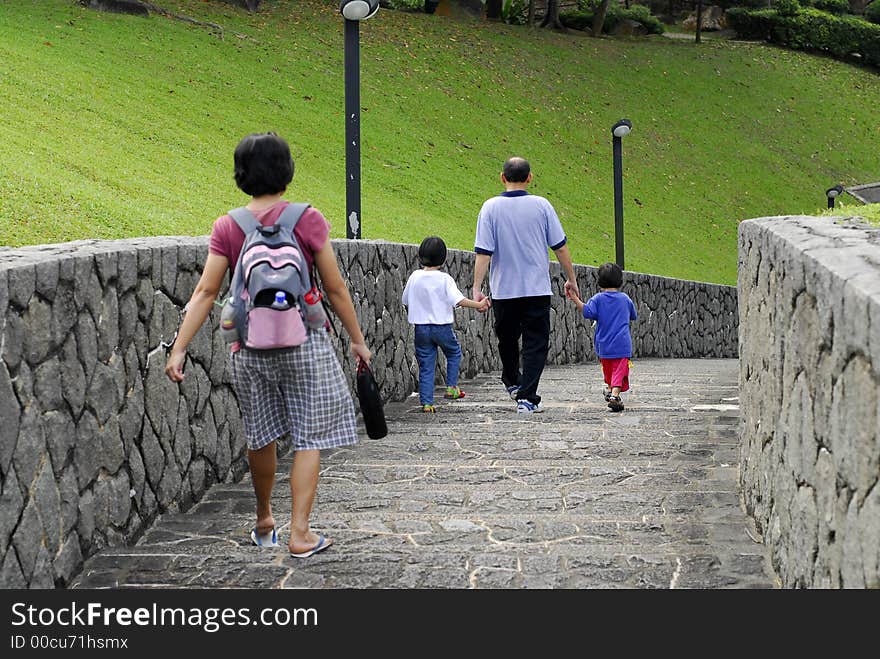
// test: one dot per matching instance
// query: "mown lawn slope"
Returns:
(117, 126)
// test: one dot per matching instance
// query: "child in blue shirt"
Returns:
(612, 311)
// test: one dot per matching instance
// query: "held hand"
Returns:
(174, 366)
(479, 297)
(571, 290)
(361, 353)
(485, 303)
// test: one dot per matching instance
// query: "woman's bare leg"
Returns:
(303, 488)
(262, 464)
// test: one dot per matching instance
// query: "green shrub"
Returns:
(515, 12)
(811, 29)
(787, 7)
(872, 12)
(407, 5)
(643, 15)
(583, 18)
(751, 23)
(836, 7)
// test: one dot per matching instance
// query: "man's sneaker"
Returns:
(528, 407)
(615, 404)
(454, 393)
(428, 408)
(512, 391)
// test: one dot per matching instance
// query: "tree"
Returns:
(551, 17)
(599, 18)
(493, 9)
(699, 21)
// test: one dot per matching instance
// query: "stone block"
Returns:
(127, 270)
(73, 376)
(11, 506)
(27, 539)
(10, 573)
(153, 456)
(30, 449)
(102, 396)
(10, 413)
(107, 325)
(21, 283)
(48, 501)
(12, 340)
(68, 562)
(128, 320)
(69, 495)
(47, 385)
(38, 340)
(106, 265)
(47, 274)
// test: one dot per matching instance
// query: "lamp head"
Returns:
(358, 10)
(836, 191)
(621, 128)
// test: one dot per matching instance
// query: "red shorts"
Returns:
(616, 372)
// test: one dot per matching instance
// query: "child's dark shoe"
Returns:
(615, 404)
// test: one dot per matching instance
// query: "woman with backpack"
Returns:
(298, 390)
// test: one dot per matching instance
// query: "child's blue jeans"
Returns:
(428, 339)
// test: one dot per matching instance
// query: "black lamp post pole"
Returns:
(617, 148)
(833, 193)
(352, 130)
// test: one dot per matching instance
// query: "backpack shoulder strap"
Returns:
(291, 214)
(245, 220)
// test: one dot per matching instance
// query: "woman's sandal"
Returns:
(615, 404)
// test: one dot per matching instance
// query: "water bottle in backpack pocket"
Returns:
(316, 317)
(277, 325)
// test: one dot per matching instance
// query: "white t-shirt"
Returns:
(430, 297)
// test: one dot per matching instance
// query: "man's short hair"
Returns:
(263, 164)
(432, 251)
(516, 170)
(610, 275)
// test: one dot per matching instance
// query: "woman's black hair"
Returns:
(432, 251)
(263, 164)
(610, 275)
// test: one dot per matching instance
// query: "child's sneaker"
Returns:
(528, 407)
(428, 408)
(512, 391)
(615, 404)
(454, 393)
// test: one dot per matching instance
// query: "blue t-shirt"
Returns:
(515, 229)
(612, 311)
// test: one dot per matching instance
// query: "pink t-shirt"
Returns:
(311, 231)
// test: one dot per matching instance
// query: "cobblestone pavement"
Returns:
(477, 496)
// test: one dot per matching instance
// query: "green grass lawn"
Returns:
(118, 126)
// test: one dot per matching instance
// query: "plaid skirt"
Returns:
(301, 391)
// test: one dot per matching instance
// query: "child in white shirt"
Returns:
(431, 297)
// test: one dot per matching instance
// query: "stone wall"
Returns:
(95, 441)
(809, 291)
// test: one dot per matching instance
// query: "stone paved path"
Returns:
(477, 496)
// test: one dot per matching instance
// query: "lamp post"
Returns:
(833, 193)
(353, 11)
(619, 130)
